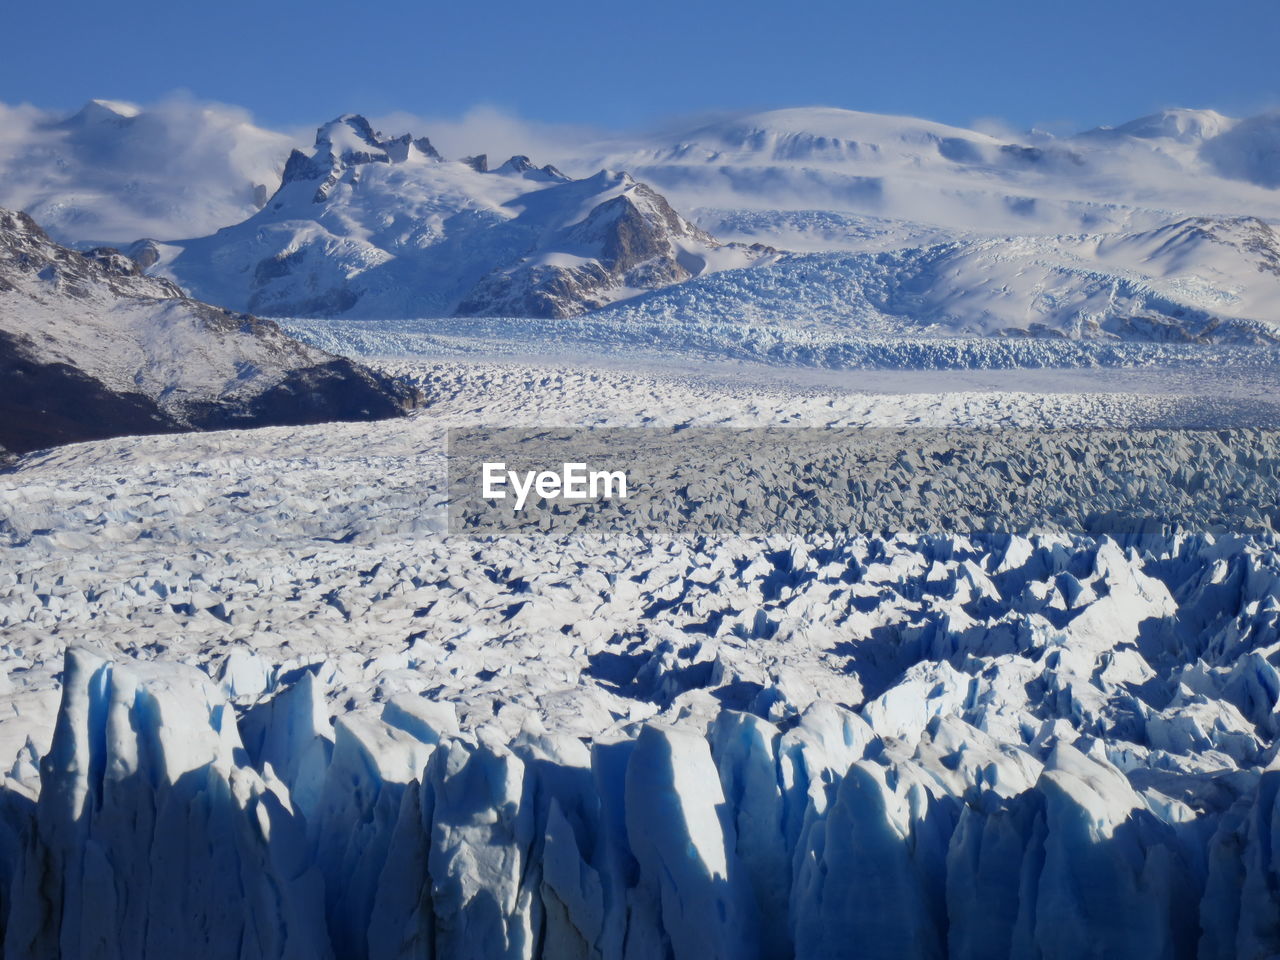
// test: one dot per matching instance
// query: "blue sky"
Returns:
(627, 64)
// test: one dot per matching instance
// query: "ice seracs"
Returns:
(836, 834)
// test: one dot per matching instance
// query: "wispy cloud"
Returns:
(178, 167)
(493, 131)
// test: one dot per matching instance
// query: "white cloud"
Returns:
(492, 131)
(180, 167)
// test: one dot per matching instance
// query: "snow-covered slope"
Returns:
(374, 227)
(89, 347)
(1205, 142)
(902, 169)
(113, 172)
(1194, 279)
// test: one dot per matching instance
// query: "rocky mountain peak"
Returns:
(369, 225)
(630, 239)
(517, 164)
(97, 112)
(522, 166)
(351, 141)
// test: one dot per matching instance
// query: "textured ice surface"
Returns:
(298, 721)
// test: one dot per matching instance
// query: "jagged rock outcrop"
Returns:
(90, 347)
(639, 243)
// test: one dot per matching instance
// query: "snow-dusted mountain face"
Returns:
(114, 172)
(368, 226)
(1157, 230)
(918, 174)
(89, 347)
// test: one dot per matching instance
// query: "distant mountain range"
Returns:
(1160, 228)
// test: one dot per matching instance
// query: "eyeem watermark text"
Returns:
(843, 482)
(572, 482)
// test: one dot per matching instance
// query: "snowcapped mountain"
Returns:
(113, 172)
(826, 160)
(1249, 151)
(1180, 125)
(91, 348)
(369, 226)
(1141, 232)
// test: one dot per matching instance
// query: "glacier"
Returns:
(294, 720)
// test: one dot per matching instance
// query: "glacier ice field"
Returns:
(258, 704)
